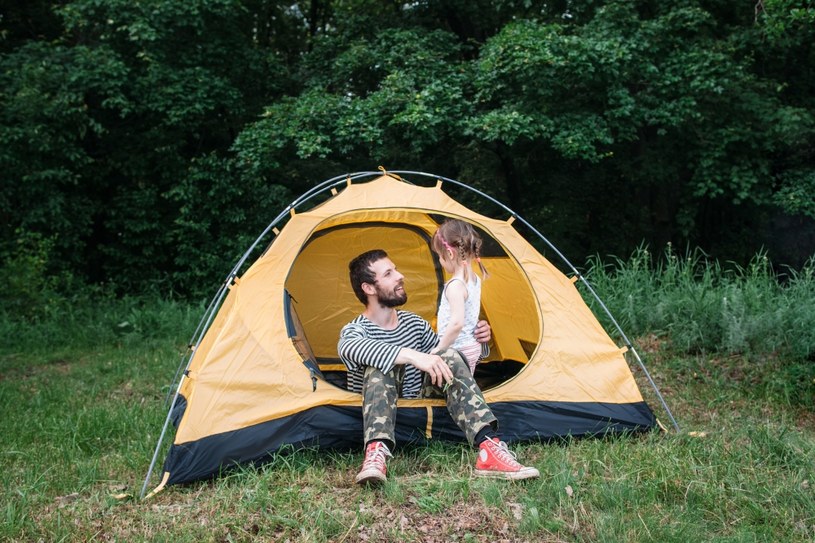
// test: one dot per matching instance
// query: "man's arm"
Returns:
(432, 364)
(356, 349)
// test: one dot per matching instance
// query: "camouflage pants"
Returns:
(380, 392)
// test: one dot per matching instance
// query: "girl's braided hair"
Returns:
(461, 238)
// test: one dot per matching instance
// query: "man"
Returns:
(386, 351)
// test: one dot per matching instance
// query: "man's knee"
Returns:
(372, 374)
(453, 358)
(378, 389)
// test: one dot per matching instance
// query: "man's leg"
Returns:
(379, 395)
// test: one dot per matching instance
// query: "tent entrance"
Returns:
(322, 300)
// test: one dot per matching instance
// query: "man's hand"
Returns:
(483, 332)
(432, 364)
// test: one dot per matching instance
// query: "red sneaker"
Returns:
(497, 461)
(374, 468)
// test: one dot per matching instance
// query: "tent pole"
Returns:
(196, 336)
(574, 271)
(160, 440)
(654, 386)
(209, 314)
(631, 347)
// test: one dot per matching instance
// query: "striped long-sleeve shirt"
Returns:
(363, 343)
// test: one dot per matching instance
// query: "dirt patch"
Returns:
(651, 344)
(805, 419)
(409, 522)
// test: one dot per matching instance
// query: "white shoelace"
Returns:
(377, 458)
(506, 455)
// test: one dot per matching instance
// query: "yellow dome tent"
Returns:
(264, 372)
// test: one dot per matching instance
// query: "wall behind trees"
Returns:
(144, 144)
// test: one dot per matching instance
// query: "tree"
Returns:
(101, 125)
(132, 135)
(651, 117)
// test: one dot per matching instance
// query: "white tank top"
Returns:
(472, 306)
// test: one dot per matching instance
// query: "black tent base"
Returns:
(335, 427)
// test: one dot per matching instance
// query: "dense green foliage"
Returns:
(143, 143)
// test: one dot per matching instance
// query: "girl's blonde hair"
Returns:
(462, 240)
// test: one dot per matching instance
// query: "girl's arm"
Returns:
(456, 294)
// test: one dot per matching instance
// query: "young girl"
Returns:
(457, 244)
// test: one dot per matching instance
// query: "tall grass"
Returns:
(702, 307)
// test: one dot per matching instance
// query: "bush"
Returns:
(30, 291)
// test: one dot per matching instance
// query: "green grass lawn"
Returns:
(79, 427)
(83, 389)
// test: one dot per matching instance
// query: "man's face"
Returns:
(389, 283)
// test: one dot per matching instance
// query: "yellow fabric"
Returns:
(319, 283)
(247, 371)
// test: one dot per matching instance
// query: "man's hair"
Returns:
(360, 271)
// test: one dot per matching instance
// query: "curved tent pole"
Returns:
(193, 341)
(211, 310)
(186, 361)
(215, 303)
(576, 273)
(206, 320)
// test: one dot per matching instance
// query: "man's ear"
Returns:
(368, 289)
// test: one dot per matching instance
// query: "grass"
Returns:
(754, 314)
(82, 406)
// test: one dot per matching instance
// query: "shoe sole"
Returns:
(373, 479)
(529, 473)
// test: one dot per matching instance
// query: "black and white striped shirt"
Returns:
(363, 343)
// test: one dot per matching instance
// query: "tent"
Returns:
(263, 371)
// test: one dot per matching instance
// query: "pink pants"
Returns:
(472, 353)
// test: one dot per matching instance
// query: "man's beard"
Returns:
(391, 299)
